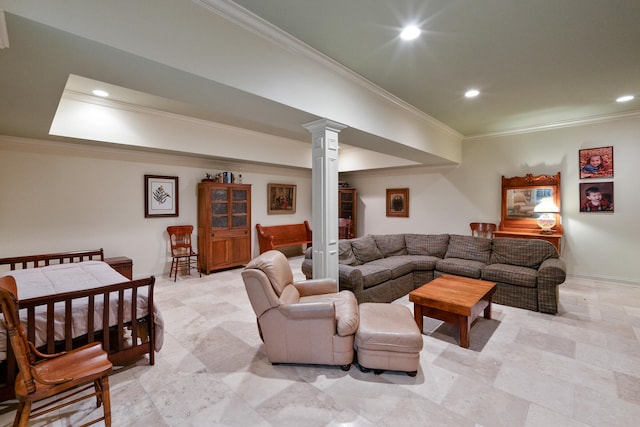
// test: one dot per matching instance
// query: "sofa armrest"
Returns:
(350, 279)
(316, 287)
(552, 272)
(307, 268)
(309, 310)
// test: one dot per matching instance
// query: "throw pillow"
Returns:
(345, 253)
(365, 249)
(391, 244)
(427, 244)
(469, 247)
(522, 252)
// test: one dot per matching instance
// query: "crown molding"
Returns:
(557, 125)
(4, 34)
(238, 15)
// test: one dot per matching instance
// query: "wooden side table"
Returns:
(122, 265)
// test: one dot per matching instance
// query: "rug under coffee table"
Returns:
(453, 299)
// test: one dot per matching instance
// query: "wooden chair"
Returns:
(183, 255)
(344, 228)
(45, 375)
(482, 229)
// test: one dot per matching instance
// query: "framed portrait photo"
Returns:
(596, 162)
(596, 196)
(398, 202)
(281, 199)
(160, 196)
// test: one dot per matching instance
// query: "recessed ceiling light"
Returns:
(100, 92)
(625, 98)
(472, 93)
(411, 32)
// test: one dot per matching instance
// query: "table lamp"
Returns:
(547, 218)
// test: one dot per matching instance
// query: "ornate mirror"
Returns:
(521, 196)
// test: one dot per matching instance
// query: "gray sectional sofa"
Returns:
(382, 268)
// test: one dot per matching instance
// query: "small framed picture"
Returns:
(398, 202)
(160, 196)
(596, 196)
(596, 162)
(281, 199)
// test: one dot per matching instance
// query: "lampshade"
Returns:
(547, 210)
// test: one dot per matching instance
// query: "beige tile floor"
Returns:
(578, 368)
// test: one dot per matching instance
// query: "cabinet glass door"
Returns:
(239, 208)
(219, 211)
(346, 205)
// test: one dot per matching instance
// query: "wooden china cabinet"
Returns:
(224, 225)
(348, 207)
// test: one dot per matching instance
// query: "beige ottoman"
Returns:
(387, 339)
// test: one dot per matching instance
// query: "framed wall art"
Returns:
(596, 196)
(281, 199)
(398, 202)
(160, 196)
(596, 162)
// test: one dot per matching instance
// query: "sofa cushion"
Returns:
(469, 247)
(427, 244)
(460, 267)
(398, 265)
(345, 253)
(422, 262)
(365, 249)
(391, 244)
(373, 275)
(510, 274)
(522, 252)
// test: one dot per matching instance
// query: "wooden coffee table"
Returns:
(453, 299)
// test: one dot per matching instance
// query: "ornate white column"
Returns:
(324, 206)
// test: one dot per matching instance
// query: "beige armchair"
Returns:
(300, 322)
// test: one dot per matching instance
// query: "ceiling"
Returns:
(536, 63)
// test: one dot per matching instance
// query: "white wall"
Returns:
(56, 196)
(61, 197)
(603, 246)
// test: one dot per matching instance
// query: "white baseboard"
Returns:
(610, 279)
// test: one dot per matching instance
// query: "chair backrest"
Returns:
(180, 239)
(344, 228)
(276, 267)
(17, 335)
(268, 279)
(482, 229)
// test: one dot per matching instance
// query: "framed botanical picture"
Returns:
(281, 199)
(398, 202)
(160, 196)
(596, 196)
(596, 162)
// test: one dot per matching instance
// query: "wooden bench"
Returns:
(279, 236)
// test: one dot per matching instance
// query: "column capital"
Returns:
(323, 124)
